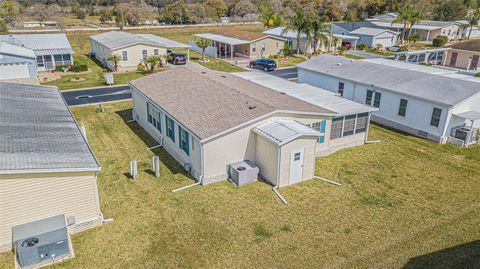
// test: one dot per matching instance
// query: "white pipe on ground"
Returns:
(373, 141)
(274, 189)
(188, 186)
(328, 181)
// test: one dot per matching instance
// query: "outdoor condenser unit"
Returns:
(243, 172)
(41, 242)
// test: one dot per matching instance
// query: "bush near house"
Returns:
(477, 75)
(74, 68)
(362, 46)
(402, 49)
(440, 40)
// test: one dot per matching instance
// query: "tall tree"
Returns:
(300, 24)
(415, 18)
(473, 20)
(269, 18)
(450, 10)
(203, 44)
(115, 59)
(404, 16)
(319, 30)
(8, 11)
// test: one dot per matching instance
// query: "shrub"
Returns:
(79, 67)
(59, 68)
(477, 75)
(341, 50)
(378, 47)
(141, 67)
(402, 49)
(362, 46)
(439, 41)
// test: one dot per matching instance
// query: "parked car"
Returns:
(178, 58)
(394, 48)
(347, 45)
(264, 64)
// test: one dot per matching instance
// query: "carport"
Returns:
(224, 45)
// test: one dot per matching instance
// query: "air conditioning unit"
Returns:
(243, 172)
(461, 133)
(41, 242)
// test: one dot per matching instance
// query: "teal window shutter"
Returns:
(187, 143)
(323, 126)
(173, 130)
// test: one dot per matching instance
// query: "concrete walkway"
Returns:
(367, 55)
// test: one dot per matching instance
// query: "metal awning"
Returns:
(223, 39)
(281, 132)
(469, 115)
(53, 51)
(164, 41)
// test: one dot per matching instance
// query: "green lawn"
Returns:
(92, 79)
(215, 64)
(383, 53)
(400, 199)
(289, 61)
(355, 57)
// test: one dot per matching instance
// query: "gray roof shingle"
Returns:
(209, 102)
(38, 132)
(439, 89)
(41, 44)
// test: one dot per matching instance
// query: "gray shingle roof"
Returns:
(114, 40)
(41, 44)
(38, 132)
(281, 132)
(439, 89)
(208, 102)
(351, 26)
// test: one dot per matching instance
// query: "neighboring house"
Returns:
(367, 33)
(16, 62)
(132, 48)
(464, 55)
(51, 49)
(428, 30)
(224, 19)
(326, 43)
(39, 24)
(384, 16)
(436, 107)
(208, 120)
(47, 167)
(373, 37)
(229, 43)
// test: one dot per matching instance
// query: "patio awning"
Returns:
(469, 115)
(42, 52)
(164, 41)
(281, 132)
(223, 39)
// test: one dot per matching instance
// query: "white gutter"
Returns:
(49, 170)
(200, 181)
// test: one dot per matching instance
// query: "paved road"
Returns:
(367, 55)
(97, 95)
(287, 73)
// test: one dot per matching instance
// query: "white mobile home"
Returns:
(51, 50)
(46, 165)
(432, 106)
(133, 49)
(209, 120)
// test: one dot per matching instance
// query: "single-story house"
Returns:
(367, 33)
(464, 55)
(208, 120)
(39, 24)
(17, 62)
(132, 48)
(328, 45)
(229, 43)
(47, 167)
(428, 30)
(51, 49)
(435, 107)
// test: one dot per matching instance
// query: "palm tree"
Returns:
(115, 58)
(404, 16)
(473, 20)
(318, 28)
(415, 17)
(298, 23)
(203, 44)
(153, 61)
(269, 18)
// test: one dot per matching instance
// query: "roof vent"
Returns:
(223, 76)
(203, 72)
(252, 107)
(282, 93)
(339, 64)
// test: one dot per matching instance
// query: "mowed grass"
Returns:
(289, 61)
(400, 199)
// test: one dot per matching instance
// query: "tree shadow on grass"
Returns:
(466, 256)
(165, 157)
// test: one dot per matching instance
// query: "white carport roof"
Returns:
(164, 41)
(469, 115)
(281, 132)
(308, 93)
(280, 31)
(223, 39)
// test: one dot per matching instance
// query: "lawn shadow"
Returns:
(464, 256)
(165, 157)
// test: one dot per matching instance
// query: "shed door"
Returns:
(14, 71)
(453, 59)
(474, 64)
(296, 166)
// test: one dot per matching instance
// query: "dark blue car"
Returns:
(264, 64)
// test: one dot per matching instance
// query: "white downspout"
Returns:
(200, 181)
(275, 188)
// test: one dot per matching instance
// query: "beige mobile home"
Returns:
(46, 165)
(133, 49)
(209, 120)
